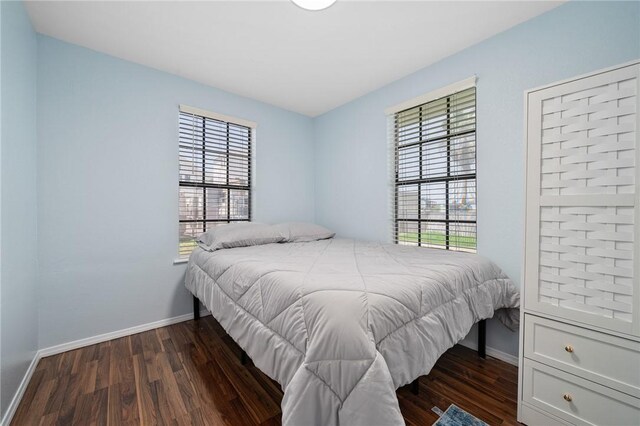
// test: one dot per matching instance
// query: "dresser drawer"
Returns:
(535, 417)
(606, 359)
(577, 400)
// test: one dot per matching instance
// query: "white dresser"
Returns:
(580, 321)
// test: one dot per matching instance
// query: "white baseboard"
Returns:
(76, 344)
(64, 347)
(17, 397)
(492, 352)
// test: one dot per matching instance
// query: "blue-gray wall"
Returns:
(351, 148)
(18, 276)
(108, 190)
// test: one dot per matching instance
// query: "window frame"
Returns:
(226, 121)
(446, 94)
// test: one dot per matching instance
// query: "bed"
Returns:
(341, 324)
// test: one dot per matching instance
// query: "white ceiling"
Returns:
(273, 51)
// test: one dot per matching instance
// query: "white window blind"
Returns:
(215, 174)
(435, 173)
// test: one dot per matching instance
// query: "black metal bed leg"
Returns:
(196, 308)
(244, 358)
(482, 338)
(415, 386)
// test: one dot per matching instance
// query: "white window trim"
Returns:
(432, 96)
(216, 116)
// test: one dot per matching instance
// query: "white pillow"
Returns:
(296, 232)
(239, 235)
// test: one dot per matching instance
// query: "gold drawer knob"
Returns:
(569, 348)
(567, 397)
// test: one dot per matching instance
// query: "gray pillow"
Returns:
(296, 232)
(238, 235)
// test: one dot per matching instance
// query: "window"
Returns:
(215, 173)
(435, 173)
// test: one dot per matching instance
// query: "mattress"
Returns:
(341, 324)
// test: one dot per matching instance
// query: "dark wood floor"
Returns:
(190, 373)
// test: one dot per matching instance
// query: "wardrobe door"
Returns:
(582, 224)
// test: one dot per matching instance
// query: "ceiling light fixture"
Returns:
(313, 4)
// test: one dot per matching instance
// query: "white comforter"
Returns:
(341, 324)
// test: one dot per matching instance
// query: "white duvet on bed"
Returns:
(341, 324)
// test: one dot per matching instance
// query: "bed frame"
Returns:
(482, 342)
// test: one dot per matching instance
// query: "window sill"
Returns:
(180, 261)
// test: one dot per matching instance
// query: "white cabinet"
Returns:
(580, 323)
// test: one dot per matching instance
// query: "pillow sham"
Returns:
(296, 232)
(238, 235)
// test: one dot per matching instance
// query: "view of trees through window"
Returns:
(215, 176)
(435, 173)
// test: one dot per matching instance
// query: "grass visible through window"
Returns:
(186, 247)
(438, 238)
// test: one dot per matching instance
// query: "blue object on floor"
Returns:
(456, 416)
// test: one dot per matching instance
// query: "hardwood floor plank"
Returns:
(129, 401)
(190, 374)
(99, 407)
(66, 363)
(186, 391)
(489, 365)
(166, 414)
(273, 421)
(213, 416)
(70, 401)
(122, 370)
(82, 411)
(242, 415)
(76, 360)
(47, 420)
(114, 407)
(197, 348)
(151, 365)
(490, 402)
(50, 367)
(88, 354)
(167, 378)
(144, 392)
(89, 376)
(150, 342)
(255, 398)
(57, 395)
(178, 338)
(488, 385)
(271, 386)
(136, 344)
(104, 365)
(162, 334)
(414, 414)
(172, 355)
(196, 418)
(119, 361)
